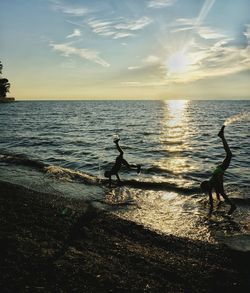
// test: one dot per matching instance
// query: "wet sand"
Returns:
(53, 244)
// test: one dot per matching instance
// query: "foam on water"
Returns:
(243, 116)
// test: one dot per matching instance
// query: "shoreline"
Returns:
(55, 244)
(7, 99)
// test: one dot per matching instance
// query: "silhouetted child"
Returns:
(216, 181)
(118, 164)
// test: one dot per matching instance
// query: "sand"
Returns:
(52, 244)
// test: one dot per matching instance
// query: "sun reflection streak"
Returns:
(175, 112)
(174, 137)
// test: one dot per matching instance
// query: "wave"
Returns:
(67, 174)
(71, 175)
(86, 178)
(20, 159)
(157, 170)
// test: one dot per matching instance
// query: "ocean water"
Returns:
(57, 146)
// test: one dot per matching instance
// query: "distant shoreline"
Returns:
(7, 100)
(132, 100)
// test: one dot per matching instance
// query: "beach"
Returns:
(52, 245)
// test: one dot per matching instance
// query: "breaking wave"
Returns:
(68, 174)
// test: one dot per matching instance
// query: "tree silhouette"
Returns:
(4, 84)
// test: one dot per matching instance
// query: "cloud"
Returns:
(118, 28)
(71, 10)
(160, 3)
(208, 51)
(134, 25)
(148, 64)
(68, 50)
(205, 32)
(209, 33)
(133, 67)
(151, 59)
(76, 33)
(122, 35)
(185, 24)
(131, 83)
(212, 59)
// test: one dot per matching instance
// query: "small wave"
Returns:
(20, 159)
(68, 174)
(157, 170)
(71, 175)
(86, 178)
(161, 185)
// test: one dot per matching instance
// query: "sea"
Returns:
(64, 147)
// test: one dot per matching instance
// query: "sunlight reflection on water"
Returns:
(182, 216)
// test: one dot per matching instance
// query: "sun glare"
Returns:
(177, 62)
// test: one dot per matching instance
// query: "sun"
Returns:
(177, 62)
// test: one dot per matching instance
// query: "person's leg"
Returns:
(130, 166)
(217, 195)
(118, 178)
(211, 202)
(125, 163)
(225, 164)
(227, 200)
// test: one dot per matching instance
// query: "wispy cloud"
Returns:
(72, 10)
(207, 57)
(134, 25)
(118, 28)
(76, 33)
(160, 3)
(122, 35)
(131, 83)
(149, 62)
(91, 55)
(133, 67)
(214, 58)
(196, 24)
(210, 33)
(151, 59)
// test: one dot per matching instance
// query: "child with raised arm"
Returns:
(216, 181)
(118, 164)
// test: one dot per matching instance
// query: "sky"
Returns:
(126, 49)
